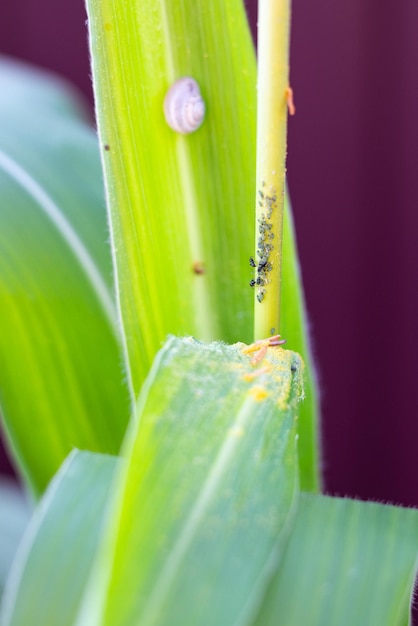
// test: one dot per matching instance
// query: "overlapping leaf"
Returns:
(14, 516)
(201, 514)
(54, 560)
(347, 563)
(61, 381)
(204, 513)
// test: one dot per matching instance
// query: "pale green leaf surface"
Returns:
(53, 562)
(346, 563)
(44, 135)
(201, 513)
(177, 200)
(61, 380)
(14, 516)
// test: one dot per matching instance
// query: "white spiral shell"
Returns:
(184, 108)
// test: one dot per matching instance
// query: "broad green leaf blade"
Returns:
(14, 516)
(55, 557)
(179, 204)
(61, 383)
(347, 562)
(201, 513)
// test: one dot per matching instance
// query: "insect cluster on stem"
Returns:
(263, 263)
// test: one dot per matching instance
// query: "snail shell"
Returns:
(184, 108)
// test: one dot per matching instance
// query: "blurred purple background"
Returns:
(353, 156)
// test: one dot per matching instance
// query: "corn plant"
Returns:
(168, 439)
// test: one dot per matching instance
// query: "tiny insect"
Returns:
(276, 341)
(259, 348)
(252, 262)
(259, 355)
(290, 101)
(199, 267)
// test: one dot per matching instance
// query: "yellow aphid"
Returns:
(259, 355)
(260, 343)
(260, 348)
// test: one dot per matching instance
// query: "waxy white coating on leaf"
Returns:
(184, 108)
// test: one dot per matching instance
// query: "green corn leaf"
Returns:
(200, 514)
(53, 562)
(173, 198)
(60, 358)
(346, 563)
(14, 516)
(182, 206)
(294, 326)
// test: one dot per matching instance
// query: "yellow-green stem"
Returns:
(273, 84)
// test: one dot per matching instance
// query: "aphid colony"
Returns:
(263, 264)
